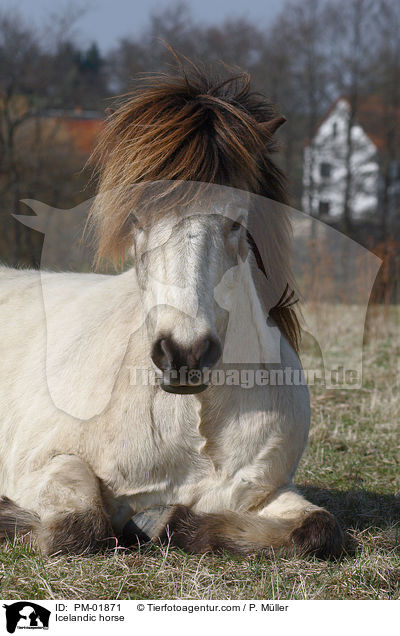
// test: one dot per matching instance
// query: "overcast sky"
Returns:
(107, 20)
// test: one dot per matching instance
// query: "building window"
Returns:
(323, 208)
(334, 129)
(325, 169)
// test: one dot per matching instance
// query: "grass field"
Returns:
(351, 466)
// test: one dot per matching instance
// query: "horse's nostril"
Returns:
(210, 354)
(162, 354)
(167, 355)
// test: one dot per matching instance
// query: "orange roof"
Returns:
(83, 132)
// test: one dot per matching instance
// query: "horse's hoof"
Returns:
(319, 535)
(146, 525)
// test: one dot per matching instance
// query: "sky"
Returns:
(108, 20)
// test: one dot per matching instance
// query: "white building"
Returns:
(325, 157)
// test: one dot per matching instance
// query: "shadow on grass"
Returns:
(357, 509)
(361, 510)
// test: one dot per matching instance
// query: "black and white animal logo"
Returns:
(26, 615)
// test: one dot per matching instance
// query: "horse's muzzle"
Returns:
(183, 368)
(184, 381)
(183, 389)
(168, 355)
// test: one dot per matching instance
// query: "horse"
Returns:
(206, 467)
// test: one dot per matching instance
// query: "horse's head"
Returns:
(180, 259)
(186, 129)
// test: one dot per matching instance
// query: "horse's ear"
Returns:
(272, 125)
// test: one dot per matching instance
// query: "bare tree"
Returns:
(350, 27)
(297, 55)
(35, 159)
(386, 84)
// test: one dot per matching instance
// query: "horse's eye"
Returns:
(235, 227)
(133, 221)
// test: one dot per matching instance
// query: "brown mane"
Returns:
(187, 126)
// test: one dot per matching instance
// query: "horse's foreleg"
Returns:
(314, 530)
(288, 521)
(67, 499)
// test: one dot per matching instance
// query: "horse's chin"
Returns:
(183, 389)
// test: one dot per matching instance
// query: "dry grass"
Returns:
(350, 466)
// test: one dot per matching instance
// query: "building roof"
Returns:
(378, 119)
(83, 132)
(81, 126)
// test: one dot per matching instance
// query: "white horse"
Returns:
(88, 455)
